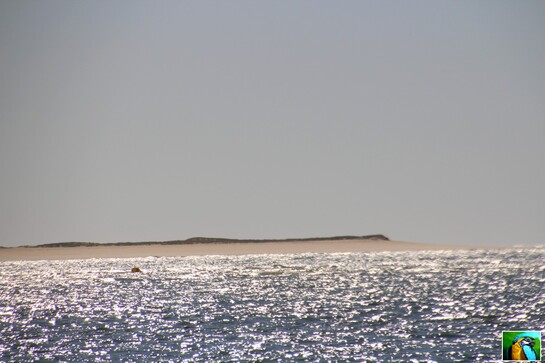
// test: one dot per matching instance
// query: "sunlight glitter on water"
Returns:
(428, 306)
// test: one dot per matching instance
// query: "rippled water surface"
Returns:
(353, 307)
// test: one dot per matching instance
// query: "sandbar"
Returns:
(201, 249)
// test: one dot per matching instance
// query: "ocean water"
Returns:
(440, 306)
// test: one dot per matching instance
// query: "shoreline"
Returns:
(204, 249)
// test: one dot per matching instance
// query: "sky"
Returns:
(149, 121)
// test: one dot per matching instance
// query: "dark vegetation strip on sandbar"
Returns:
(198, 240)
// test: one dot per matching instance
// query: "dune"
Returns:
(204, 246)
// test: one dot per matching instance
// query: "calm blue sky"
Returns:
(144, 120)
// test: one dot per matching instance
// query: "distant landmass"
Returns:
(199, 240)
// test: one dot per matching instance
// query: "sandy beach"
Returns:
(198, 249)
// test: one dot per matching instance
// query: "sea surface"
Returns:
(440, 306)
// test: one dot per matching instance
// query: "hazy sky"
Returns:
(158, 120)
